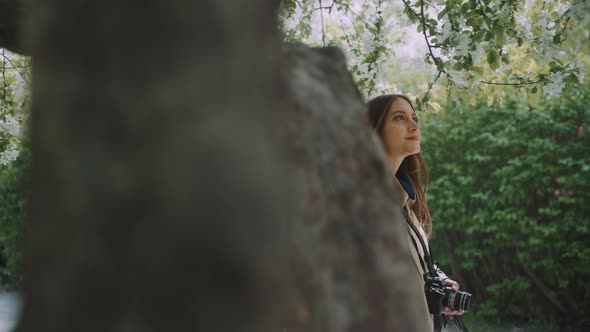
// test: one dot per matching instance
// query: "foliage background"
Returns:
(14, 163)
(13, 180)
(509, 197)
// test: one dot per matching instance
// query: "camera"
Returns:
(438, 296)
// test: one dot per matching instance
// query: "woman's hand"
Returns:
(455, 286)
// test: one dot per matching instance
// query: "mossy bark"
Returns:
(355, 269)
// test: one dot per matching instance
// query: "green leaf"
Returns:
(479, 21)
(443, 12)
(572, 78)
(492, 58)
(500, 38)
(440, 66)
(478, 36)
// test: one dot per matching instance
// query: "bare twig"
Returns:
(545, 290)
(483, 13)
(321, 8)
(415, 14)
(3, 75)
(422, 20)
(304, 17)
(488, 19)
(344, 31)
(435, 59)
(431, 84)
(347, 7)
(12, 65)
(323, 28)
(512, 84)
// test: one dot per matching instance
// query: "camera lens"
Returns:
(457, 300)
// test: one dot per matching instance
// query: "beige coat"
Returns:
(407, 203)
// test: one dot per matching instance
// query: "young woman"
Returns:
(395, 120)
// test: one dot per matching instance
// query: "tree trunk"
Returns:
(180, 185)
(356, 272)
(11, 25)
(158, 199)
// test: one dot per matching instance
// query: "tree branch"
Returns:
(483, 13)
(489, 20)
(322, 19)
(424, 26)
(3, 76)
(308, 15)
(344, 31)
(430, 85)
(512, 84)
(13, 66)
(347, 7)
(435, 59)
(545, 290)
(414, 13)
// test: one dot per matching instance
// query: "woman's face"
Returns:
(401, 133)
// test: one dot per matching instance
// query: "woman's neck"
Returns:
(395, 163)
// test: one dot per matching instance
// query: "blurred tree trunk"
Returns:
(11, 24)
(158, 190)
(179, 184)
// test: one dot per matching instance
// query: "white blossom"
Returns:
(10, 154)
(480, 52)
(525, 26)
(446, 31)
(462, 49)
(457, 77)
(580, 73)
(10, 126)
(383, 88)
(561, 7)
(555, 85)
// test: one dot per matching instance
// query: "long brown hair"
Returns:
(414, 166)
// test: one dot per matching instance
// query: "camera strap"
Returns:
(427, 262)
(460, 325)
(419, 257)
(432, 271)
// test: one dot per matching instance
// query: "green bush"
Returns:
(12, 204)
(509, 195)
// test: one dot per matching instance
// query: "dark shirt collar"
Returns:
(406, 183)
